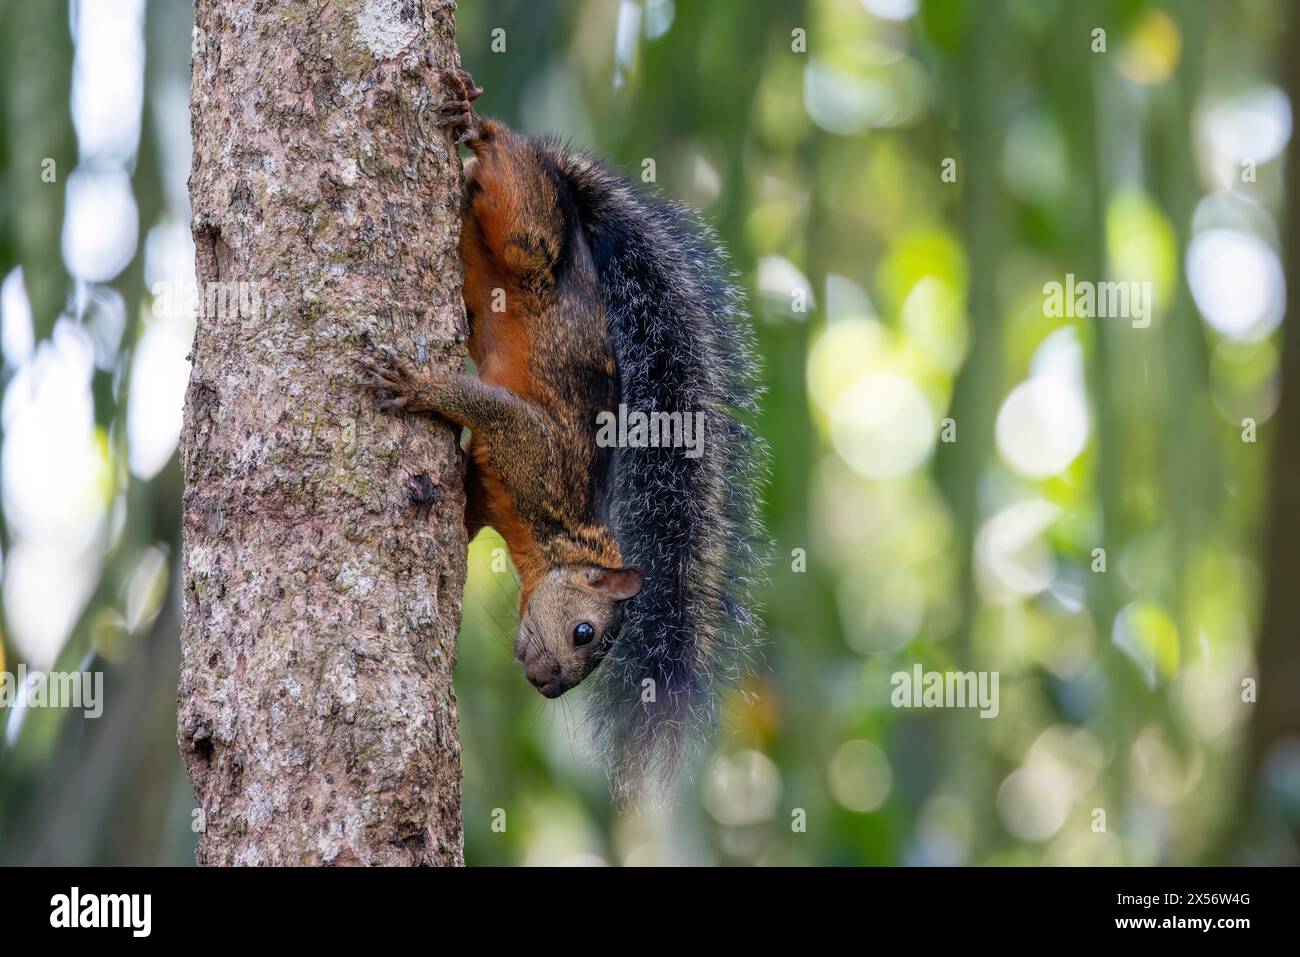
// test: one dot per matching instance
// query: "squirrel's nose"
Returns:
(553, 688)
(542, 672)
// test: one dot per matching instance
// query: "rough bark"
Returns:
(322, 570)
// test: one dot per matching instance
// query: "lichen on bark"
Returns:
(316, 712)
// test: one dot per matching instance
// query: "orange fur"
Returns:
(499, 341)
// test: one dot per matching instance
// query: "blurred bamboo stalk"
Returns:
(960, 466)
(1274, 747)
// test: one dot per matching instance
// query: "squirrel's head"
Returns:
(569, 623)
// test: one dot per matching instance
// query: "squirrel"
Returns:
(587, 294)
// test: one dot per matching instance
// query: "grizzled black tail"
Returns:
(681, 338)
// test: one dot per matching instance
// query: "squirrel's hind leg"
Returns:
(511, 198)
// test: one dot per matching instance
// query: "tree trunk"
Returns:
(324, 550)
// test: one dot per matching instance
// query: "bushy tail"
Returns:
(682, 340)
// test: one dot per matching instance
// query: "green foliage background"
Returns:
(820, 164)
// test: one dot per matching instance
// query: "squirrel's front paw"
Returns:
(406, 387)
(456, 111)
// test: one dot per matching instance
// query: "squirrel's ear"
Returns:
(618, 584)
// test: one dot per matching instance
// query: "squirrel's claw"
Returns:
(453, 116)
(385, 373)
(456, 112)
(402, 386)
(462, 83)
(378, 375)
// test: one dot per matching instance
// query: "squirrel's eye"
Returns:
(583, 633)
